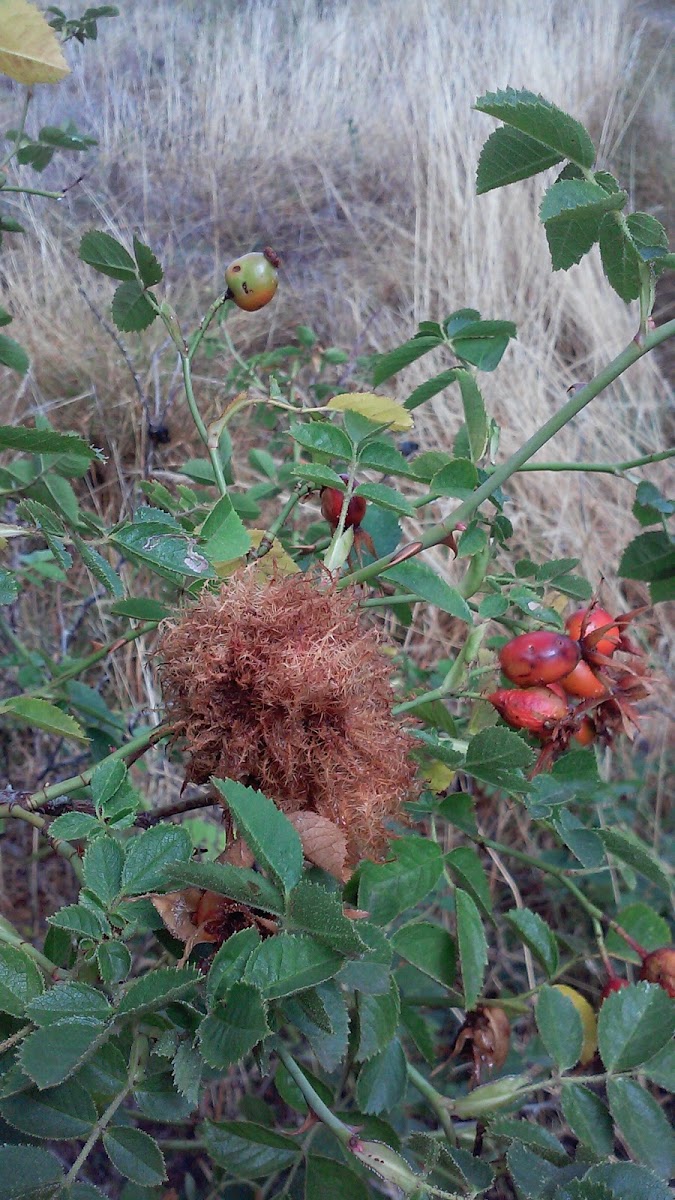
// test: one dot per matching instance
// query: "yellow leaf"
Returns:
(589, 1021)
(29, 50)
(275, 562)
(438, 776)
(379, 409)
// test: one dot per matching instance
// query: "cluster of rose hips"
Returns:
(561, 678)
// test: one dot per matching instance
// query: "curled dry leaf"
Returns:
(486, 1034)
(237, 854)
(323, 843)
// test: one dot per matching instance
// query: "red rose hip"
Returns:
(659, 967)
(331, 507)
(536, 709)
(540, 657)
(583, 623)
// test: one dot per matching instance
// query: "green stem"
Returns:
(27, 191)
(107, 1116)
(213, 451)
(19, 133)
(77, 782)
(18, 813)
(602, 468)
(341, 1131)
(384, 601)
(574, 405)
(14, 1038)
(436, 1101)
(277, 525)
(196, 339)
(11, 938)
(467, 653)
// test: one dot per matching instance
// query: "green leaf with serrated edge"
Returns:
(314, 910)
(535, 933)
(371, 972)
(234, 1027)
(627, 1181)
(430, 388)
(229, 963)
(9, 587)
(422, 581)
(475, 417)
(329, 1048)
(471, 945)
(114, 962)
(629, 848)
(131, 309)
(72, 827)
(239, 883)
(313, 1006)
(661, 1068)
(223, 533)
(560, 1027)
(319, 475)
(45, 716)
(58, 1113)
(69, 1000)
(51, 1054)
(588, 1118)
(483, 343)
(105, 254)
(569, 194)
(536, 1137)
(539, 119)
(106, 780)
(428, 947)
(648, 235)
(508, 156)
(148, 266)
(13, 355)
(150, 855)
(20, 981)
(324, 437)
(386, 365)
(499, 757)
(102, 868)
(157, 1098)
(274, 841)
(290, 963)
(105, 1074)
(45, 441)
(458, 478)
(662, 590)
(80, 920)
(99, 567)
(584, 843)
(533, 1176)
(326, 1179)
(386, 497)
(156, 990)
(383, 457)
(650, 556)
(633, 1025)
(387, 889)
(572, 234)
(644, 925)
(419, 1032)
(377, 1018)
(620, 258)
(141, 609)
(187, 1072)
(382, 1080)
(28, 1173)
(643, 1125)
(135, 1155)
(466, 865)
(248, 1151)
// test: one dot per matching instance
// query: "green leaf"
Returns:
(643, 1125)
(13, 355)
(187, 1072)
(45, 716)
(650, 505)
(329, 1048)
(588, 1119)
(627, 1181)
(28, 1173)
(131, 309)
(270, 835)
(313, 909)
(535, 933)
(472, 947)
(572, 211)
(438, 383)
(69, 1000)
(570, 194)
(508, 156)
(224, 534)
(319, 475)
(102, 868)
(475, 417)
(482, 343)
(156, 989)
(650, 556)
(386, 497)
(466, 865)
(135, 1155)
(387, 889)
(661, 1068)
(249, 1151)
(648, 235)
(141, 609)
(629, 848)
(234, 1027)
(324, 437)
(378, 1019)
(229, 963)
(72, 827)
(99, 567)
(114, 962)
(371, 972)
(633, 1025)
(9, 587)
(382, 456)
(326, 1179)
(81, 921)
(644, 925)
(457, 478)
(560, 1027)
(105, 254)
(540, 119)
(499, 757)
(20, 981)
(422, 581)
(45, 441)
(148, 266)
(382, 1080)
(51, 1054)
(534, 1177)
(386, 365)
(620, 258)
(428, 947)
(59, 1113)
(239, 883)
(106, 781)
(289, 963)
(536, 1137)
(150, 855)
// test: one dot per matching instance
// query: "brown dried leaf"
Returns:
(177, 910)
(237, 854)
(323, 843)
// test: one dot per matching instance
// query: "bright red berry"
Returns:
(331, 506)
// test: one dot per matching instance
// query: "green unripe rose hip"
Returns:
(252, 279)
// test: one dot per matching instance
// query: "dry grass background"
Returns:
(342, 132)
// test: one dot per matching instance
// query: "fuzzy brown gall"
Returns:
(279, 685)
(659, 967)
